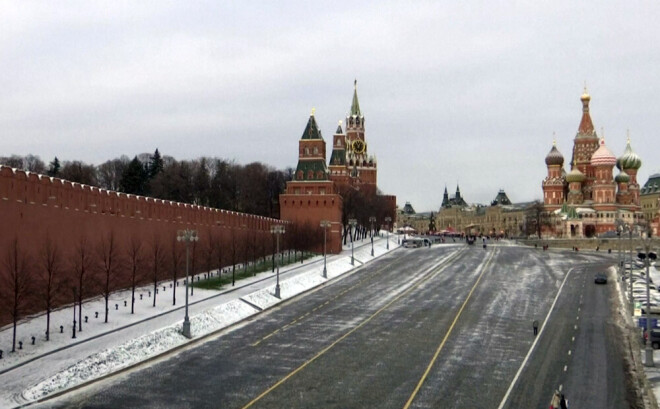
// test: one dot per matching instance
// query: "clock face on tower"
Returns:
(358, 146)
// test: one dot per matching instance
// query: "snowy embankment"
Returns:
(139, 349)
(158, 342)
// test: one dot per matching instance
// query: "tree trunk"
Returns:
(48, 323)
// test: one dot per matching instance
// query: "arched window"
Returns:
(299, 175)
(316, 150)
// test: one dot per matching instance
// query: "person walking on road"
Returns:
(563, 403)
(535, 324)
(556, 401)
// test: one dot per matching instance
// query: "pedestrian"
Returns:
(535, 324)
(563, 403)
(556, 401)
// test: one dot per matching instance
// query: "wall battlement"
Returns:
(17, 186)
(38, 211)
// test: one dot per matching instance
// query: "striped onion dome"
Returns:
(629, 159)
(622, 177)
(575, 176)
(603, 156)
(554, 157)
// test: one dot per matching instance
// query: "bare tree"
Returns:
(18, 277)
(109, 173)
(136, 264)
(110, 263)
(175, 258)
(80, 172)
(50, 279)
(157, 261)
(34, 164)
(193, 256)
(209, 252)
(219, 252)
(233, 251)
(82, 265)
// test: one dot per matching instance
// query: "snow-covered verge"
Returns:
(144, 347)
(139, 349)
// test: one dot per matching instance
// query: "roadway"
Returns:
(448, 326)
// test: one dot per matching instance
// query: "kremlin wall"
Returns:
(35, 209)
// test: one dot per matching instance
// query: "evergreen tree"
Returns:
(134, 178)
(54, 167)
(155, 165)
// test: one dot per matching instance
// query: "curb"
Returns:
(62, 348)
(202, 338)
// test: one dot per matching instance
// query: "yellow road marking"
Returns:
(442, 344)
(316, 308)
(329, 347)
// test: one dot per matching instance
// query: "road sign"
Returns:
(642, 322)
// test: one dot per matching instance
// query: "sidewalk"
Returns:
(652, 372)
(50, 367)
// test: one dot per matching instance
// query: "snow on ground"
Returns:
(126, 348)
(142, 342)
(140, 349)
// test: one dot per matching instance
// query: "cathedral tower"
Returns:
(585, 144)
(553, 184)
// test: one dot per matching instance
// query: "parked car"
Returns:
(655, 338)
(653, 307)
(600, 278)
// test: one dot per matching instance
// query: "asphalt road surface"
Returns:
(449, 326)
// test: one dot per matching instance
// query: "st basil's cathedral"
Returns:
(588, 200)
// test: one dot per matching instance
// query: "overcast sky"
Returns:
(452, 92)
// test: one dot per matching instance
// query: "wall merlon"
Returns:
(26, 187)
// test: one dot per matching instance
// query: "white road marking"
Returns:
(561, 387)
(565, 368)
(573, 339)
(531, 349)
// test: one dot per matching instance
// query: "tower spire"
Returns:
(355, 105)
(586, 128)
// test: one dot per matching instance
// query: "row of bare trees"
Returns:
(362, 206)
(39, 277)
(253, 188)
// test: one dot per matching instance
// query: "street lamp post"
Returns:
(388, 219)
(277, 229)
(372, 220)
(352, 223)
(188, 236)
(647, 256)
(632, 302)
(74, 312)
(325, 224)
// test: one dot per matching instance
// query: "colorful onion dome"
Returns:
(629, 159)
(585, 95)
(554, 157)
(603, 156)
(575, 176)
(622, 177)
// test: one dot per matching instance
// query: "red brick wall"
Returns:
(34, 207)
(314, 208)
